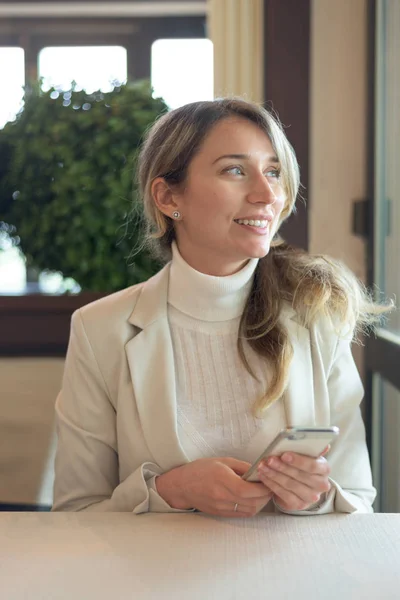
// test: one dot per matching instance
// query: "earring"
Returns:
(176, 214)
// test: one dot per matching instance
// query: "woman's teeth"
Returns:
(256, 223)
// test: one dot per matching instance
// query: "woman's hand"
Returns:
(297, 481)
(213, 486)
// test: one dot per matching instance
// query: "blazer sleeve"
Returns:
(351, 479)
(86, 463)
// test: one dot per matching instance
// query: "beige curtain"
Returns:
(236, 30)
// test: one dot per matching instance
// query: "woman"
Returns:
(174, 386)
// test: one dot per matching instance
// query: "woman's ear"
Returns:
(163, 196)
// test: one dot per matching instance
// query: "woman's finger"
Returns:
(288, 499)
(316, 482)
(293, 487)
(325, 450)
(308, 464)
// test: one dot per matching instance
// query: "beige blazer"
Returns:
(116, 412)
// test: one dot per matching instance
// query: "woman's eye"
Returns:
(234, 170)
(274, 173)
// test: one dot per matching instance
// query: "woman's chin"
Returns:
(257, 250)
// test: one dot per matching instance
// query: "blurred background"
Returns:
(80, 82)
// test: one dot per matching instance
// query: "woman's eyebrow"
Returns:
(273, 159)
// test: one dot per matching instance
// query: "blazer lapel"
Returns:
(151, 363)
(299, 395)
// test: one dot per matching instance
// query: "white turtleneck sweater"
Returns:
(215, 392)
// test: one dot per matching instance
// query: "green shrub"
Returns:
(67, 183)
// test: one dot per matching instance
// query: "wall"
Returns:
(29, 387)
(338, 98)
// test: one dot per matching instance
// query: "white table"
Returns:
(118, 556)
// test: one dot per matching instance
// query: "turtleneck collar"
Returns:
(207, 297)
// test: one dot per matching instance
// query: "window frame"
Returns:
(382, 351)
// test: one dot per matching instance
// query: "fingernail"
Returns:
(287, 458)
(263, 468)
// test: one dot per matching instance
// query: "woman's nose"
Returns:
(262, 190)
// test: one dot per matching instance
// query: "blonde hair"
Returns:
(315, 286)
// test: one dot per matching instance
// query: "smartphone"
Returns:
(310, 441)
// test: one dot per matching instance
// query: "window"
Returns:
(390, 448)
(12, 81)
(91, 67)
(12, 267)
(182, 70)
(383, 351)
(387, 251)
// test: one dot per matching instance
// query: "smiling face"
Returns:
(233, 179)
